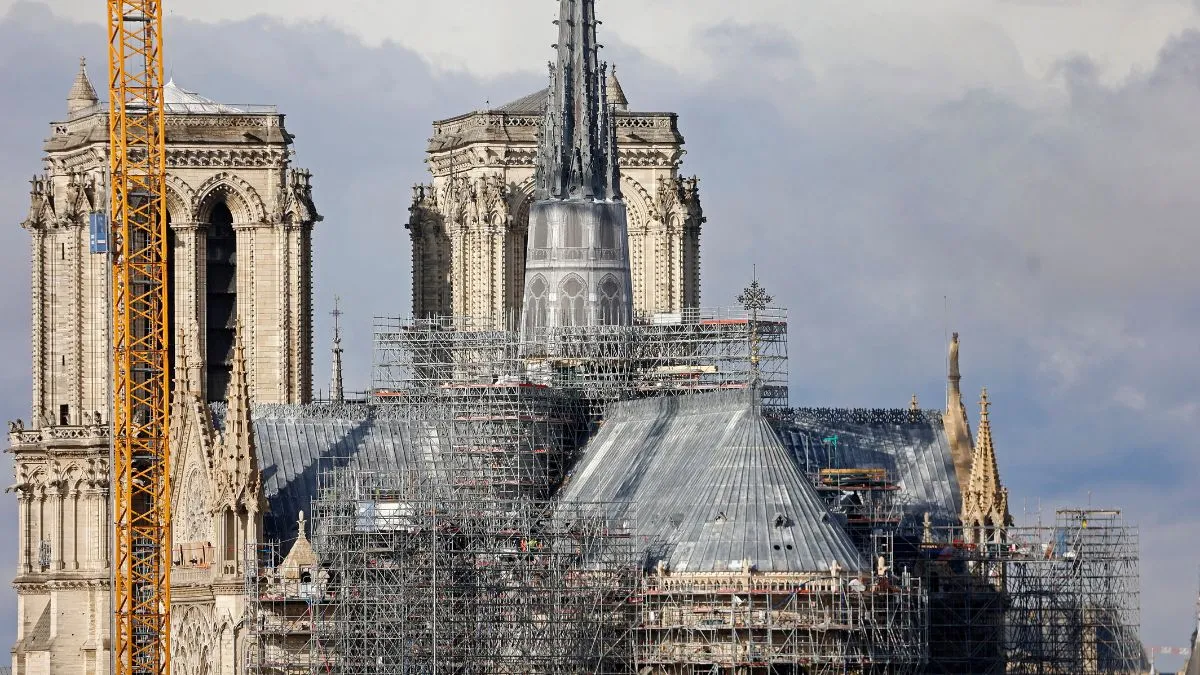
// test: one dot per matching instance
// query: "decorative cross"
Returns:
(984, 403)
(755, 297)
(337, 314)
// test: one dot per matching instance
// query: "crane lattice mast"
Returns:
(141, 381)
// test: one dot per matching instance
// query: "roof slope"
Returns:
(530, 104)
(912, 446)
(708, 484)
(296, 444)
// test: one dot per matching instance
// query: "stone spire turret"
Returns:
(985, 503)
(577, 155)
(616, 94)
(82, 95)
(336, 392)
(301, 557)
(240, 456)
(958, 430)
(577, 269)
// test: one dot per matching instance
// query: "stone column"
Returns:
(190, 255)
(76, 535)
(103, 526)
(38, 528)
(23, 530)
(58, 536)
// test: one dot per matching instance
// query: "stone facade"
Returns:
(241, 220)
(470, 226)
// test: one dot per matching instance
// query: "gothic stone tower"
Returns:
(240, 221)
(470, 226)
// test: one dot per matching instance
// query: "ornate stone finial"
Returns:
(301, 530)
(914, 405)
(927, 532)
(82, 94)
(755, 297)
(984, 404)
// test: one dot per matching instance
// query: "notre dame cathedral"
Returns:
(241, 219)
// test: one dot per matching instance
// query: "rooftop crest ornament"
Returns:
(755, 297)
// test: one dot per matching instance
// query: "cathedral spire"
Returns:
(577, 157)
(82, 95)
(985, 504)
(336, 392)
(958, 431)
(577, 269)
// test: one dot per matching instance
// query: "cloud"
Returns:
(490, 38)
(1047, 213)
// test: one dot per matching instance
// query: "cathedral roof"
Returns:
(531, 104)
(297, 443)
(707, 482)
(182, 101)
(911, 445)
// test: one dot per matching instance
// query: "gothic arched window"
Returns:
(535, 303)
(572, 301)
(609, 295)
(221, 301)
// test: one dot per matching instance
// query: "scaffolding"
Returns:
(280, 602)
(688, 352)
(864, 499)
(1040, 600)
(744, 622)
(420, 579)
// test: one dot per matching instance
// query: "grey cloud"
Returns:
(1062, 236)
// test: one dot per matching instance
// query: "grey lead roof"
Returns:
(912, 446)
(707, 483)
(297, 443)
(532, 104)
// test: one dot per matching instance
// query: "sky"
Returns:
(1020, 171)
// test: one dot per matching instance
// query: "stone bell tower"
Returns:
(240, 253)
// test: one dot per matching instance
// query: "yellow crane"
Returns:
(141, 378)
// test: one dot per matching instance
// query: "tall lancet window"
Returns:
(610, 301)
(535, 301)
(221, 302)
(572, 298)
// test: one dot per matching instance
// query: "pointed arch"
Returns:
(608, 296)
(240, 197)
(640, 207)
(181, 200)
(572, 301)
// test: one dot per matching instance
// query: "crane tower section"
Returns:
(141, 494)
